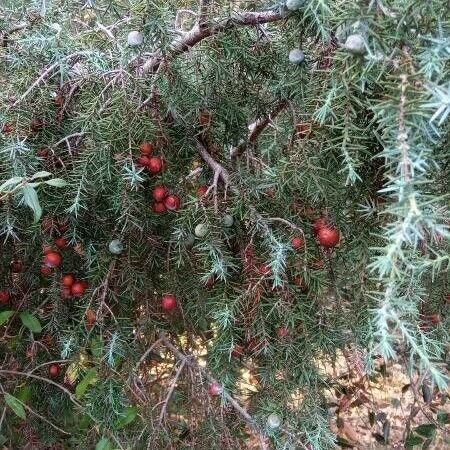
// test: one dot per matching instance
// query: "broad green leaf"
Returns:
(24, 393)
(57, 182)
(15, 405)
(411, 441)
(443, 417)
(104, 444)
(90, 378)
(31, 199)
(41, 174)
(426, 430)
(9, 183)
(5, 316)
(31, 322)
(128, 416)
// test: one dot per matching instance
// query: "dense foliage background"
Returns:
(205, 205)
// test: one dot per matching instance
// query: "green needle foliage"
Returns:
(356, 134)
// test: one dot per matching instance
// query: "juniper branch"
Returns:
(200, 32)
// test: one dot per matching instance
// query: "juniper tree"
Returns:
(194, 191)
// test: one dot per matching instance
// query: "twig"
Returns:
(193, 363)
(286, 222)
(147, 352)
(48, 363)
(46, 380)
(67, 138)
(218, 170)
(44, 419)
(170, 392)
(46, 73)
(256, 128)
(198, 33)
(2, 418)
(7, 33)
(105, 30)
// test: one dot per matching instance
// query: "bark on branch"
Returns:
(202, 31)
(257, 127)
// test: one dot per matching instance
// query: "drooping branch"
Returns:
(202, 31)
(257, 127)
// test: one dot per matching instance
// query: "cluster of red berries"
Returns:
(327, 235)
(164, 200)
(154, 164)
(71, 287)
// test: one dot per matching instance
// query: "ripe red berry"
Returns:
(328, 237)
(45, 271)
(297, 243)
(282, 332)
(264, 269)
(54, 370)
(146, 148)
(60, 242)
(78, 289)
(215, 389)
(143, 161)
(318, 225)
(155, 164)
(201, 191)
(160, 193)
(52, 259)
(172, 202)
(68, 280)
(159, 208)
(237, 351)
(4, 297)
(169, 302)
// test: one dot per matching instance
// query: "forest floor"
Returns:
(373, 414)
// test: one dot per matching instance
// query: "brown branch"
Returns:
(47, 73)
(286, 222)
(46, 380)
(170, 392)
(32, 411)
(190, 361)
(202, 31)
(257, 127)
